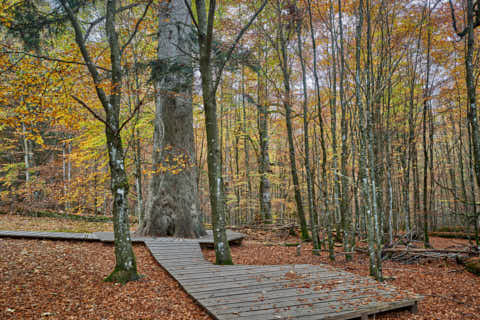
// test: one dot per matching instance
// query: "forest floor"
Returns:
(42, 279)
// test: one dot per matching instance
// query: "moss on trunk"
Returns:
(123, 276)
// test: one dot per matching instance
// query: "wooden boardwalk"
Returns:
(262, 292)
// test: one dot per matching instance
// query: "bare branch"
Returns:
(92, 68)
(95, 115)
(454, 21)
(135, 111)
(235, 43)
(137, 25)
(191, 15)
(476, 22)
(97, 21)
(53, 59)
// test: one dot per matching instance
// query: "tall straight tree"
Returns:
(367, 158)
(345, 214)
(323, 184)
(264, 158)
(333, 116)
(285, 25)
(473, 21)
(173, 205)
(308, 171)
(126, 268)
(204, 25)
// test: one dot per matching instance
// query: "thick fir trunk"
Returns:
(173, 207)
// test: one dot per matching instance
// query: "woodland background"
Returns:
(417, 142)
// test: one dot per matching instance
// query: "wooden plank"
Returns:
(319, 310)
(188, 270)
(252, 284)
(236, 268)
(227, 275)
(246, 290)
(349, 302)
(365, 312)
(47, 235)
(287, 293)
(162, 254)
(265, 277)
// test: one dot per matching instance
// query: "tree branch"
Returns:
(191, 15)
(96, 116)
(97, 21)
(235, 43)
(454, 21)
(92, 68)
(54, 59)
(137, 108)
(137, 25)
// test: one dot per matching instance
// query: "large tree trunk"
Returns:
(173, 207)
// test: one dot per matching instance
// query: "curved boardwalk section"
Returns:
(260, 292)
(275, 292)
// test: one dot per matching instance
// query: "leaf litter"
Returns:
(42, 279)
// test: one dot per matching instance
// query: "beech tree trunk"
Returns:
(286, 72)
(264, 159)
(323, 181)
(215, 182)
(173, 207)
(308, 171)
(125, 264)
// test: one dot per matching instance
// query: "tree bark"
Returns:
(287, 100)
(215, 181)
(323, 184)
(345, 213)
(173, 207)
(308, 171)
(125, 264)
(264, 160)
